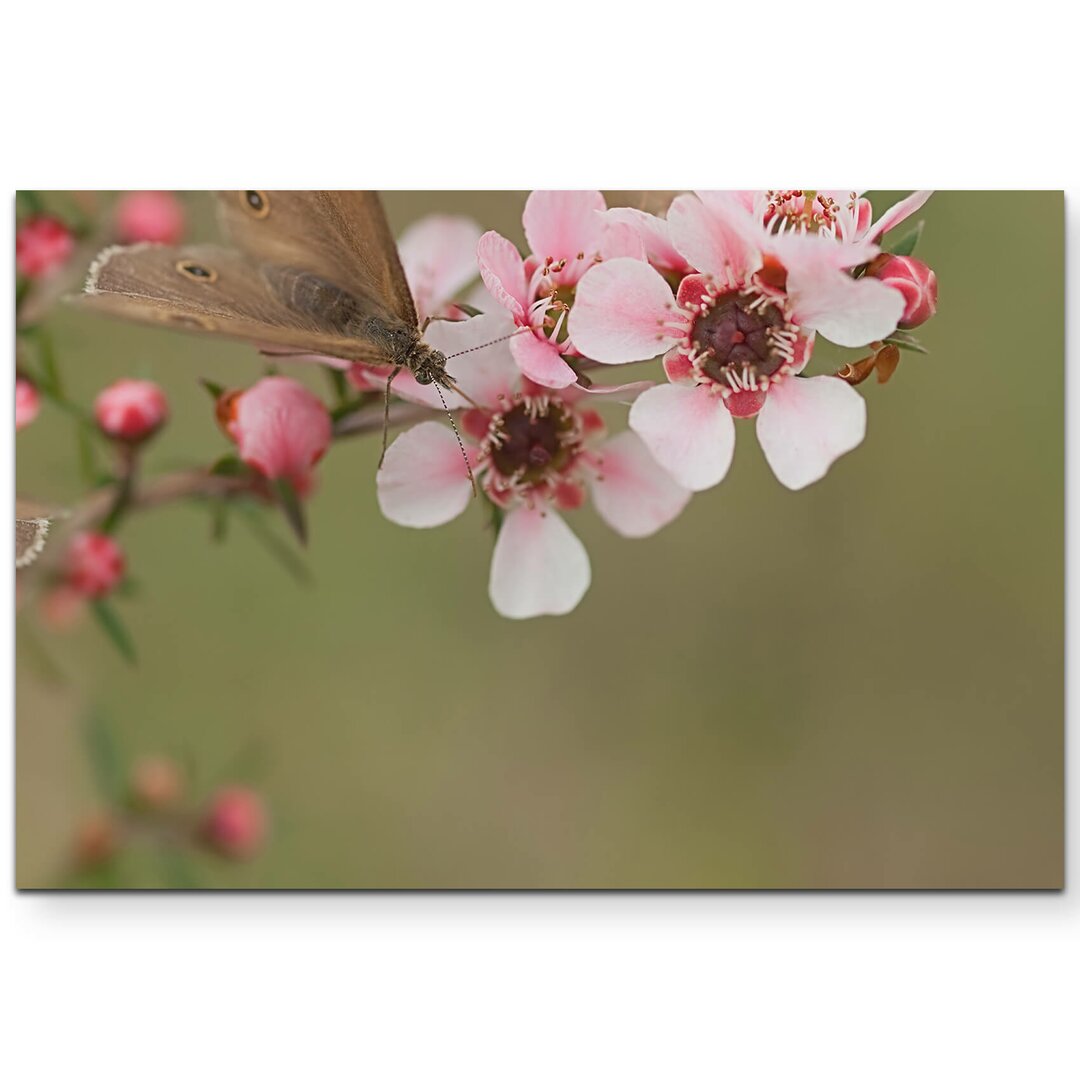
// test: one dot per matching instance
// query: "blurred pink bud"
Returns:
(61, 607)
(235, 823)
(916, 282)
(42, 246)
(27, 403)
(156, 783)
(156, 217)
(95, 564)
(131, 410)
(96, 840)
(280, 428)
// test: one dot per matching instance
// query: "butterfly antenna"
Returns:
(488, 344)
(457, 435)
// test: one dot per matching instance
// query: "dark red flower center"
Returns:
(740, 336)
(533, 440)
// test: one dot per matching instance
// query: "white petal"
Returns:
(806, 424)
(634, 495)
(687, 430)
(485, 368)
(622, 313)
(423, 481)
(539, 566)
(846, 311)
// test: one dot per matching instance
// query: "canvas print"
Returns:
(539, 540)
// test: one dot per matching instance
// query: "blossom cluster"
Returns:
(729, 291)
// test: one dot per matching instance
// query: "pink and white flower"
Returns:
(281, 429)
(739, 332)
(131, 410)
(535, 451)
(567, 234)
(27, 402)
(438, 255)
(153, 217)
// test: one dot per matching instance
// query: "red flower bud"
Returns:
(916, 282)
(95, 564)
(235, 823)
(27, 403)
(42, 246)
(131, 410)
(156, 217)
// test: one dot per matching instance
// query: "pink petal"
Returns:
(895, 214)
(563, 224)
(688, 431)
(539, 566)
(438, 254)
(846, 311)
(503, 272)
(806, 424)
(716, 238)
(485, 368)
(622, 311)
(423, 481)
(655, 235)
(541, 361)
(633, 494)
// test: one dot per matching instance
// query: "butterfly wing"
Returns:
(32, 520)
(341, 235)
(212, 290)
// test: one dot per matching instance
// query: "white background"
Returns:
(575, 95)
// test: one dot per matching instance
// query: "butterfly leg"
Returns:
(386, 411)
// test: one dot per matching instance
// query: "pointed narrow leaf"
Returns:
(293, 508)
(114, 628)
(906, 244)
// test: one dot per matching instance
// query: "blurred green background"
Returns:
(856, 685)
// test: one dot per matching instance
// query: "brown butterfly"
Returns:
(309, 272)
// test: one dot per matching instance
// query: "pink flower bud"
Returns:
(156, 783)
(156, 217)
(917, 284)
(280, 428)
(235, 823)
(27, 403)
(61, 607)
(95, 564)
(96, 840)
(131, 410)
(42, 246)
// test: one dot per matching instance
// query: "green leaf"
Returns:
(228, 465)
(215, 390)
(339, 384)
(908, 344)
(273, 544)
(906, 244)
(176, 869)
(106, 759)
(30, 202)
(292, 507)
(219, 520)
(114, 628)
